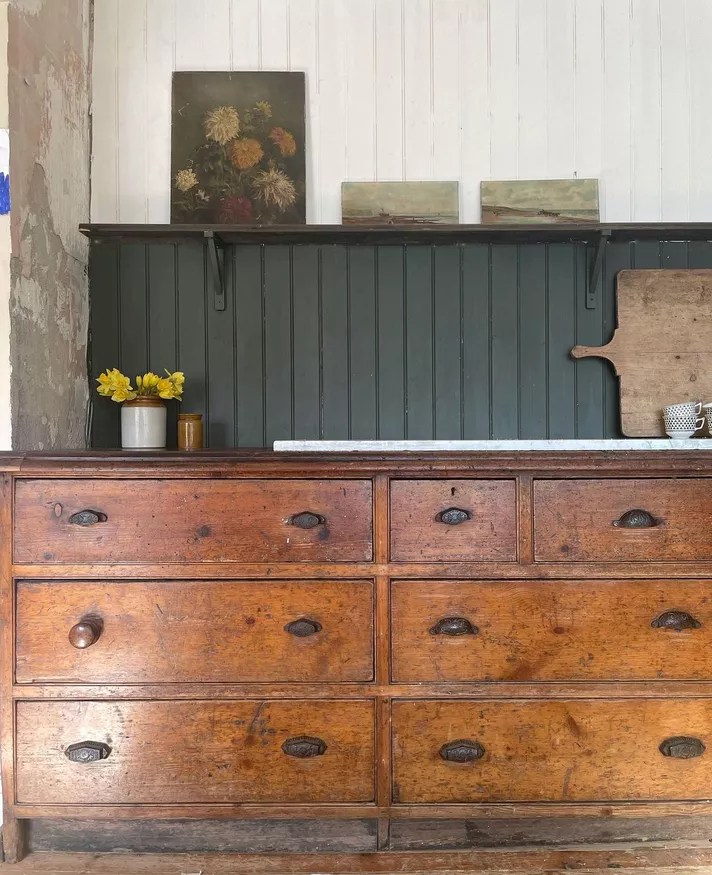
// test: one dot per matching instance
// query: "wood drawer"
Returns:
(551, 630)
(584, 520)
(422, 530)
(575, 750)
(193, 521)
(188, 631)
(195, 752)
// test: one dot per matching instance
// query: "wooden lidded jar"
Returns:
(190, 431)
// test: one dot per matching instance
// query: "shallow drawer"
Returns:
(72, 521)
(453, 520)
(142, 632)
(194, 751)
(622, 520)
(582, 750)
(551, 630)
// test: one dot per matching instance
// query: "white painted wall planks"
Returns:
(427, 89)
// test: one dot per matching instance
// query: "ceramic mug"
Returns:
(687, 409)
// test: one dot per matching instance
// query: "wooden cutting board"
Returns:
(662, 347)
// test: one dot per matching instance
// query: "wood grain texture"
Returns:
(214, 522)
(182, 632)
(550, 631)
(661, 348)
(574, 520)
(606, 750)
(200, 751)
(417, 535)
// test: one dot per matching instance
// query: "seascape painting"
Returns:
(237, 153)
(540, 200)
(400, 203)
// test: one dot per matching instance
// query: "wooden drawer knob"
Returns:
(87, 751)
(85, 633)
(636, 519)
(453, 516)
(307, 520)
(87, 518)
(682, 747)
(676, 620)
(303, 627)
(304, 746)
(462, 751)
(454, 626)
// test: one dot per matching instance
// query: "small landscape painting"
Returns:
(400, 203)
(553, 201)
(237, 154)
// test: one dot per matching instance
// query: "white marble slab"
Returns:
(626, 444)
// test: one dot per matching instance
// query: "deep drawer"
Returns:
(453, 520)
(195, 752)
(582, 750)
(192, 521)
(592, 520)
(187, 631)
(551, 630)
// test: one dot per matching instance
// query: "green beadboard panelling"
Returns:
(380, 341)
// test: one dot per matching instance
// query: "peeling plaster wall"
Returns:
(49, 55)
(5, 423)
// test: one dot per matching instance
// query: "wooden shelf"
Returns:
(399, 234)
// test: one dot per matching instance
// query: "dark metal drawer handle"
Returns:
(454, 626)
(682, 747)
(636, 519)
(462, 751)
(86, 632)
(87, 752)
(87, 518)
(303, 627)
(306, 520)
(676, 620)
(453, 516)
(304, 746)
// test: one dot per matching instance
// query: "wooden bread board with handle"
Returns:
(662, 347)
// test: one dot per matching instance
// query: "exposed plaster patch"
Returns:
(49, 119)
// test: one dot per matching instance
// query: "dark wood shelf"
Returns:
(399, 234)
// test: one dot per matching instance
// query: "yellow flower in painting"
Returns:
(245, 153)
(222, 124)
(275, 187)
(186, 179)
(284, 141)
(264, 109)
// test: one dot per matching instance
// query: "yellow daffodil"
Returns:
(115, 385)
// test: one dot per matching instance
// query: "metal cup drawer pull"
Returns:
(303, 627)
(682, 747)
(454, 626)
(453, 516)
(636, 519)
(86, 632)
(306, 520)
(676, 620)
(304, 747)
(87, 518)
(87, 752)
(462, 751)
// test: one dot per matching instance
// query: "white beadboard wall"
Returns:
(427, 89)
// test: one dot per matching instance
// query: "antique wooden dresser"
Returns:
(251, 635)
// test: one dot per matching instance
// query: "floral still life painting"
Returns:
(237, 154)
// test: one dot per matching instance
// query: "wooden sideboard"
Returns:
(258, 635)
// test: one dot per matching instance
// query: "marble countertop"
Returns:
(625, 444)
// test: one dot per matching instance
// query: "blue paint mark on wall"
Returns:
(4, 194)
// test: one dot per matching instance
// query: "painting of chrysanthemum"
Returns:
(238, 148)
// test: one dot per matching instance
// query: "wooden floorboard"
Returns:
(644, 861)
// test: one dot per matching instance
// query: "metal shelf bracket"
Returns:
(216, 255)
(596, 268)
